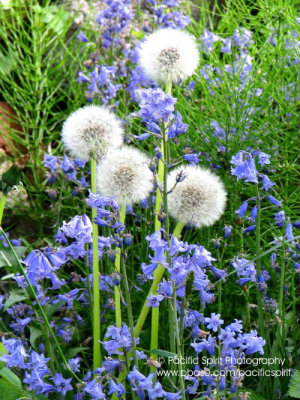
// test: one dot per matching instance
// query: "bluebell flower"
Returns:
(253, 214)
(242, 37)
(38, 265)
(289, 232)
(226, 46)
(279, 218)
(245, 270)
(208, 39)
(244, 167)
(155, 105)
(214, 321)
(227, 231)
(263, 158)
(242, 210)
(82, 78)
(165, 288)
(50, 162)
(62, 385)
(177, 127)
(154, 300)
(82, 37)
(116, 388)
(274, 201)
(16, 353)
(249, 229)
(191, 158)
(94, 389)
(267, 183)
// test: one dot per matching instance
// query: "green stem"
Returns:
(2, 205)
(129, 312)
(96, 291)
(258, 266)
(40, 308)
(179, 353)
(162, 178)
(157, 278)
(117, 268)
(281, 302)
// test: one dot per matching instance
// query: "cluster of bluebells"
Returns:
(244, 167)
(225, 344)
(252, 167)
(180, 259)
(157, 109)
(37, 374)
(70, 169)
(105, 81)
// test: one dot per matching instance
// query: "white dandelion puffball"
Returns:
(199, 199)
(169, 55)
(90, 132)
(124, 174)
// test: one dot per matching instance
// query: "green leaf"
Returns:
(163, 353)
(8, 391)
(294, 389)
(15, 296)
(73, 352)
(7, 258)
(8, 375)
(35, 334)
(2, 350)
(50, 309)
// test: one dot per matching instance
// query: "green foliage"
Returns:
(38, 49)
(7, 258)
(15, 296)
(294, 389)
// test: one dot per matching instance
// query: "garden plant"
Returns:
(156, 252)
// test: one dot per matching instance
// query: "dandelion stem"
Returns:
(96, 291)
(2, 205)
(117, 268)
(162, 178)
(44, 316)
(157, 278)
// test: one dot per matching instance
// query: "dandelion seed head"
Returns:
(90, 132)
(124, 174)
(198, 199)
(169, 55)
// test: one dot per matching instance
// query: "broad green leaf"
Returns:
(50, 309)
(7, 259)
(73, 352)
(294, 389)
(9, 376)
(8, 391)
(15, 296)
(163, 353)
(35, 334)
